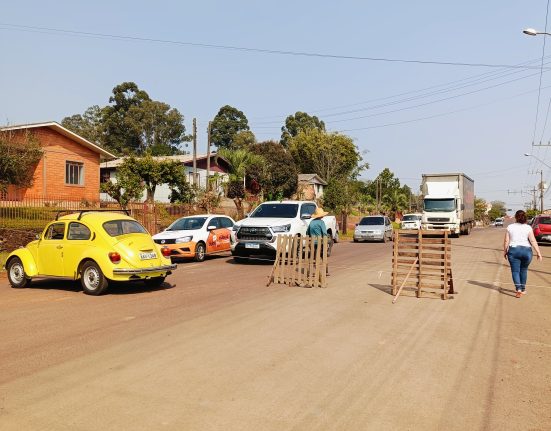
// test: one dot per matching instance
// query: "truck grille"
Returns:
(438, 219)
(254, 233)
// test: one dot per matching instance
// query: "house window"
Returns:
(74, 173)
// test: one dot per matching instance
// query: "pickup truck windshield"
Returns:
(411, 218)
(276, 211)
(439, 205)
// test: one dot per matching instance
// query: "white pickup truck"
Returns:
(256, 234)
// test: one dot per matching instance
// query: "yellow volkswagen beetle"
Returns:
(94, 246)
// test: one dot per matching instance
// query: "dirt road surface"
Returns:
(215, 349)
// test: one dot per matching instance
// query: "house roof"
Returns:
(182, 158)
(311, 179)
(65, 132)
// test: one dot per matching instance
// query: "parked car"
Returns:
(498, 222)
(197, 236)
(256, 235)
(541, 225)
(411, 221)
(95, 247)
(373, 228)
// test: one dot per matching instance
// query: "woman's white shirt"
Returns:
(518, 235)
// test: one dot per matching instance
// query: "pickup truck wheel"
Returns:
(92, 279)
(336, 238)
(384, 237)
(155, 282)
(200, 252)
(330, 244)
(16, 274)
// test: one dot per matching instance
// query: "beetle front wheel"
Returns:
(16, 274)
(92, 279)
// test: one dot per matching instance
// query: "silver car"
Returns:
(373, 228)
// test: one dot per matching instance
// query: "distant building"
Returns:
(219, 168)
(69, 167)
(310, 186)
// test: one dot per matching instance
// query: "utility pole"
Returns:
(207, 187)
(194, 151)
(541, 191)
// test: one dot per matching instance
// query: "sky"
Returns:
(474, 114)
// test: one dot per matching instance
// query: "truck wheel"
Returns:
(330, 244)
(336, 238)
(16, 274)
(92, 279)
(200, 252)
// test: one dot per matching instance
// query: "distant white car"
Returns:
(498, 222)
(411, 221)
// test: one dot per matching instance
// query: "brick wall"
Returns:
(49, 175)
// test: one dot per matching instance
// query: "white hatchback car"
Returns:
(197, 236)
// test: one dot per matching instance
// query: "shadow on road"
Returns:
(115, 288)
(501, 290)
(383, 288)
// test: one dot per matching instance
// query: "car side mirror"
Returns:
(37, 236)
(211, 227)
(247, 214)
(357, 224)
(306, 216)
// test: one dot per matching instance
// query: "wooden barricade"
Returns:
(299, 262)
(422, 262)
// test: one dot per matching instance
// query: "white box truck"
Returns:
(448, 203)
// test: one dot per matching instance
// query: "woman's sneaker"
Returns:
(517, 295)
(523, 292)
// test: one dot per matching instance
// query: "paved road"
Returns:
(215, 349)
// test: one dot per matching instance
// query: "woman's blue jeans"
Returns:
(519, 259)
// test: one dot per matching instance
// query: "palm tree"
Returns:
(395, 200)
(239, 161)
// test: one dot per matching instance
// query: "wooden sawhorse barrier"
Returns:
(422, 262)
(299, 262)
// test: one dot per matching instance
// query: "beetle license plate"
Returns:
(148, 255)
(252, 245)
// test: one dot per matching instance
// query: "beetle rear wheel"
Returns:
(92, 279)
(16, 274)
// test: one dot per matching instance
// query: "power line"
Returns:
(51, 30)
(447, 87)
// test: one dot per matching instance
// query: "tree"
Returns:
(330, 155)
(132, 124)
(301, 121)
(226, 124)
(158, 128)
(395, 200)
(243, 139)
(498, 210)
(342, 194)
(118, 136)
(181, 191)
(88, 125)
(127, 187)
(19, 155)
(480, 208)
(276, 172)
(239, 162)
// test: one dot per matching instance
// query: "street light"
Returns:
(534, 32)
(541, 176)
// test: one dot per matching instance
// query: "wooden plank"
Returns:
(402, 285)
(397, 240)
(323, 268)
(419, 280)
(292, 269)
(300, 268)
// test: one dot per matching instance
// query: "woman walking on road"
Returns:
(517, 248)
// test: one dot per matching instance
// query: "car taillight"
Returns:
(166, 251)
(536, 229)
(114, 257)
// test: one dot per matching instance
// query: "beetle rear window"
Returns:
(123, 227)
